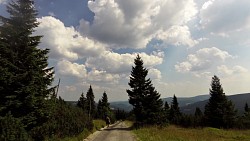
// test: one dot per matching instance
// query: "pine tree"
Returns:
(82, 103)
(219, 111)
(198, 112)
(105, 104)
(246, 108)
(174, 114)
(100, 110)
(146, 101)
(25, 76)
(90, 103)
(166, 106)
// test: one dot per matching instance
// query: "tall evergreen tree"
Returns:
(219, 111)
(90, 106)
(25, 76)
(103, 107)
(99, 110)
(143, 96)
(82, 102)
(246, 108)
(174, 114)
(105, 104)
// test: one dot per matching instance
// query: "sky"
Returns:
(183, 43)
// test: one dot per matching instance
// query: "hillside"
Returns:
(239, 100)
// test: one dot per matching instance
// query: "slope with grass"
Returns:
(173, 133)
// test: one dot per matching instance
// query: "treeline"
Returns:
(29, 106)
(149, 109)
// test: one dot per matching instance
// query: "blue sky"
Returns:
(183, 44)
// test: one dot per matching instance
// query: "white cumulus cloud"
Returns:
(229, 71)
(133, 24)
(67, 68)
(120, 63)
(65, 42)
(202, 59)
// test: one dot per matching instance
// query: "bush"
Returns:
(65, 121)
(11, 129)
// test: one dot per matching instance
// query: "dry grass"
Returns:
(173, 133)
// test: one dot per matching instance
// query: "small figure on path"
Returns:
(107, 120)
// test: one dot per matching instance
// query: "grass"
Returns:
(173, 133)
(98, 124)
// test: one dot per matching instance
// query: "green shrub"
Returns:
(11, 129)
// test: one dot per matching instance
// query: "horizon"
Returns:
(182, 43)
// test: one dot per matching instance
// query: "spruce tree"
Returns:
(90, 106)
(100, 110)
(105, 104)
(246, 108)
(143, 96)
(174, 113)
(25, 76)
(82, 102)
(219, 111)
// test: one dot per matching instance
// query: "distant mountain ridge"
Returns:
(188, 104)
(238, 100)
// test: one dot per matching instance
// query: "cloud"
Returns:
(3, 1)
(154, 74)
(202, 60)
(52, 14)
(133, 24)
(120, 63)
(236, 69)
(102, 76)
(224, 16)
(65, 42)
(70, 69)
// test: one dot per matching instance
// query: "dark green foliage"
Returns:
(246, 108)
(147, 105)
(11, 129)
(219, 111)
(198, 112)
(25, 76)
(65, 120)
(90, 103)
(103, 107)
(166, 106)
(174, 113)
(82, 103)
(121, 114)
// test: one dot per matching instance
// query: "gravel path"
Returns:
(116, 132)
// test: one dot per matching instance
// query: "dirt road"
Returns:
(116, 132)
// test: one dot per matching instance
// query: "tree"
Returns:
(166, 106)
(103, 107)
(25, 75)
(143, 96)
(105, 104)
(174, 114)
(246, 108)
(219, 111)
(82, 102)
(90, 103)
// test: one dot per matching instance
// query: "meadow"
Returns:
(173, 133)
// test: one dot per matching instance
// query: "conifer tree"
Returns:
(174, 114)
(105, 104)
(82, 102)
(219, 111)
(146, 101)
(246, 108)
(25, 76)
(90, 106)
(99, 110)
(166, 106)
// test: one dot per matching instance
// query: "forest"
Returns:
(30, 108)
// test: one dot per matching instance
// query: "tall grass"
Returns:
(173, 133)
